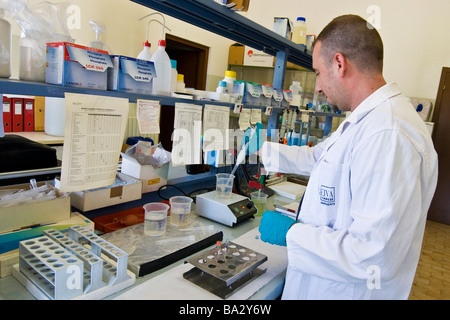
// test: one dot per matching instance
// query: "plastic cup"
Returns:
(260, 201)
(224, 185)
(155, 218)
(180, 207)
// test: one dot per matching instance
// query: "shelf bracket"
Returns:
(280, 69)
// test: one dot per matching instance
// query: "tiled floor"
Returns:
(432, 280)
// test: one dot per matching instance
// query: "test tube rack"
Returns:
(62, 267)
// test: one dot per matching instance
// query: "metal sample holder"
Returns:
(58, 266)
(225, 269)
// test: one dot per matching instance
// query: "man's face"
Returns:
(327, 80)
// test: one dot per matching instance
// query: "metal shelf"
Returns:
(213, 17)
(49, 90)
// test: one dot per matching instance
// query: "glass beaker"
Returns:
(260, 201)
(180, 207)
(224, 185)
(155, 218)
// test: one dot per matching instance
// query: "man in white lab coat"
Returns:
(360, 228)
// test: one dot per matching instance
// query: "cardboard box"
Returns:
(108, 196)
(236, 54)
(283, 26)
(10, 241)
(152, 178)
(235, 5)
(256, 58)
(72, 65)
(131, 75)
(34, 213)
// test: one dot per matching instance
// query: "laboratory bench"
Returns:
(167, 282)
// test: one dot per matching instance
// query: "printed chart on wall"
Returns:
(94, 133)
(187, 134)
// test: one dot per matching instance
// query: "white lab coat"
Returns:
(364, 211)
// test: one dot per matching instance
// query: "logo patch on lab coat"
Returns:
(327, 195)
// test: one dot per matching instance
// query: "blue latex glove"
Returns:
(274, 227)
(254, 137)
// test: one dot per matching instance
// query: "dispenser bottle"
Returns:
(161, 84)
(145, 54)
(5, 47)
(299, 35)
(173, 76)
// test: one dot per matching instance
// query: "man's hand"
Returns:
(274, 227)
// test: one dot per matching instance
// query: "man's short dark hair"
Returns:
(356, 39)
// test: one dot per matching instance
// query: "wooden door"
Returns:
(440, 206)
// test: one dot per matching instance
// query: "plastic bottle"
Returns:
(161, 84)
(297, 91)
(180, 83)
(299, 35)
(222, 87)
(230, 77)
(5, 47)
(32, 61)
(222, 90)
(173, 76)
(145, 54)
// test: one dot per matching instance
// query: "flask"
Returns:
(180, 83)
(299, 35)
(163, 67)
(297, 90)
(5, 47)
(173, 76)
(145, 54)
(230, 77)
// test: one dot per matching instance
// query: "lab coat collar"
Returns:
(370, 103)
(384, 93)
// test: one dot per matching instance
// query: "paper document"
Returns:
(187, 134)
(244, 119)
(93, 136)
(255, 116)
(147, 114)
(215, 127)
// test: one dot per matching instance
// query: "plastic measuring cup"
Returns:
(260, 201)
(224, 185)
(180, 207)
(155, 218)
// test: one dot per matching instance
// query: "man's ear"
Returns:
(340, 64)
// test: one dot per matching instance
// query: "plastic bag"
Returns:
(147, 154)
(40, 23)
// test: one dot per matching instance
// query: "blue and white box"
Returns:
(131, 75)
(72, 65)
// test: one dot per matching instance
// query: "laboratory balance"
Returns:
(224, 269)
(229, 211)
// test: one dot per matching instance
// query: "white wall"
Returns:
(415, 33)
